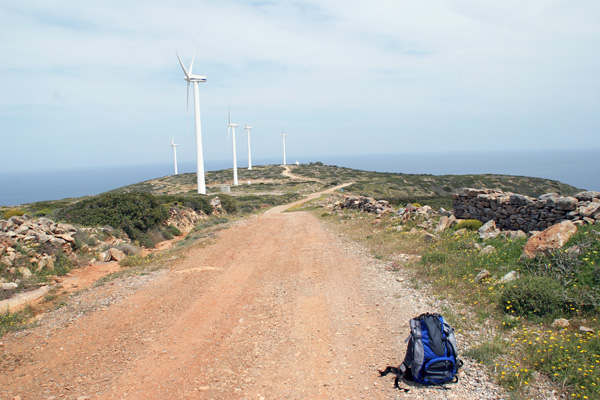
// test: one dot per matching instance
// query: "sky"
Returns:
(97, 83)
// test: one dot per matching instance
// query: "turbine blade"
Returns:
(185, 71)
(229, 118)
(193, 58)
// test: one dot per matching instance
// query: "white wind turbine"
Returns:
(194, 79)
(283, 142)
(232, 127)
(174, 148)
(247, 128)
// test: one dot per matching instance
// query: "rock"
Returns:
(512, 235)
(429, 238)
(116, 254)
(105, 256)
(573, 250)
(511, 276)
(443, 224)
(460, 232)
(567, 203)
(585, 329)
(487, 250)
(66, 237)
(560, 323)
(590, 211)
(25, 272)
(587, 196)
(9, 286)
(549, 240)
(488, 230)
(483, 274)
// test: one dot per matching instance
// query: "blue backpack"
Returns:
(431, 356)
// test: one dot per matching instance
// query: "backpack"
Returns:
(431, 355)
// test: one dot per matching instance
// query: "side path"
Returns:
(276, 308)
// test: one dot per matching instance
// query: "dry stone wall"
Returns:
(518, 212)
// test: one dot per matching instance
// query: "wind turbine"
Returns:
(174, 148)
(232, 127)
(283, 142)
(194, 79)
(247, 128)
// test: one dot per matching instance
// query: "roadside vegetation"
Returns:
(510, 324)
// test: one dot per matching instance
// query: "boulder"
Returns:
(587, 196)
(429, 238)
(590, 211)
(482, 275)
(549, 240)
(511, 276)
(445, 223)
(25, 272)
(487, 250)
(567, 203)
(560, 323)
(9, 286)
(116, 254)
(489, 230)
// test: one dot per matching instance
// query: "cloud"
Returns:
(98, 82)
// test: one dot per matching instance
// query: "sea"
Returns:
(579, 168)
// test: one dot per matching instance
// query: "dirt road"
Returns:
(275, 308)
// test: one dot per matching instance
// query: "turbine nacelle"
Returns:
(195, 78)
(232, 125)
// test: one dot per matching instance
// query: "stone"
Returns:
(514, 234)
(551, 239)
(116, 254)
(567, 203)
(511, 276)
(488, 230)
(550, 199)
(482, 275)
(487, 250)
(66, 237)
(443, 224)
(590, 211)
(587, 196)
(25, 272)
(105, 256)
(9, 286)
(585, 329)
(561, 323)
(429, 238)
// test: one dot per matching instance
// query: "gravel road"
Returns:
(277, 307)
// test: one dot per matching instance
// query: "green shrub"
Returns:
(13, 212)
(134, 213)
(173, 230)
(534, 296)
(228, 203)
(469, 224)
(434, 258)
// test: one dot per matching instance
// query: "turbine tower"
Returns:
(247, 128)
(195, 79)
(283, 142)
(232, 127)
(174, 148)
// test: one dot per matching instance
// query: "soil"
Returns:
(277, 307)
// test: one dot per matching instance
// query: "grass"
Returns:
(520, 341)
(11, 322)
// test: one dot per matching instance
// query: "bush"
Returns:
(434, 258)
(469, 224)
(13, 212)
(135, 213)
(534, 296)
(173, 230)
(228, 203)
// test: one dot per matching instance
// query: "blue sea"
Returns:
(577, 168)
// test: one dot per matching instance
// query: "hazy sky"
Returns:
(88, 83)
